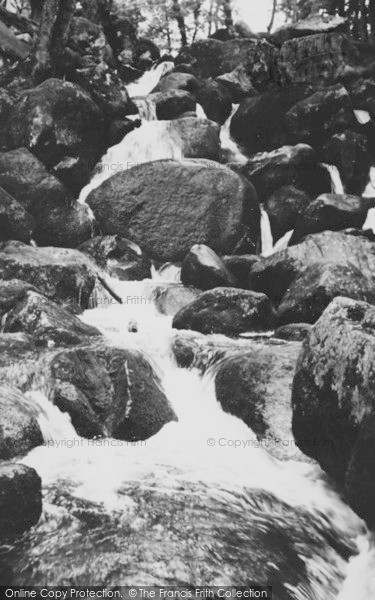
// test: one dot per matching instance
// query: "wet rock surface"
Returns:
(66, 276)
(166, 207)
(20, 498)
(19, 429)
(228, 311)
(204, 269)
(332, 399)
(256, 387)
(108, 391)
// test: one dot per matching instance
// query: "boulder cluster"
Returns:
(201, 210)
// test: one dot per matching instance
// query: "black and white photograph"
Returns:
(187, 299)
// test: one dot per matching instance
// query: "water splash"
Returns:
(266, 233)
(149, 80)
(146, 108)
(283, 242)
(370, 193)
(363, 116)
(234, 154)
(154, 140)
(337, 186)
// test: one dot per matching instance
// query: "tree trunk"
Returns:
(53, 35)
(210, 15)
(196, 12)
(180, 21)
(372, 20)
(228, 15)
(362, 25)
(270, 26)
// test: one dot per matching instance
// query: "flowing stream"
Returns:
(201, 502)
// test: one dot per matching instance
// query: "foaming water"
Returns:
(363, 116)
(266, 233)
(206, 447)
(370, 193)
(283, 242)
(154, 140)
(149, 80)
(234, 154)
(167, 273)
(146, 108)
(337, 186)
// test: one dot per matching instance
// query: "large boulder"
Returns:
(316, 59)
(12, 292)
(229, 311)
(20, 498)
(107, 391)
(19, 429)
(258, 124)
(15, 222)
(211, 58)
(64, 226)
(216, 100)
(240, 267)
(178, 81)
(200, 138)
(55, 120)
(321, 282)
(283, 207)
(333, 400)
(46, 322)
(66, 276)
(273, 275)
(288, 165)
(238, 83)
(170, 298)
(121, 257)
(59, 220)
(171, 104)
(318, 117)
(349, 152)
(27, 179)
(333, 212)
(204, 269)
(167, 206)
(255, 386)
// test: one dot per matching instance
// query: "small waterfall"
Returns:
(167, 273)
(370, 193)
(228, 145)
(53, 424)
(266, 234)
(200, 112)
(283, 242)
(154, 140)
(146, 108)
(336, 183)
(363, 116)
(149, 80)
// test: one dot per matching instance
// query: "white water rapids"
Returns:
(181, 451)
(200, 448)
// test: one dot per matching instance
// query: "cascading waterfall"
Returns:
(100, 475)
(154, 140)
(234, 155)
(266, 233)
(180, 453)
(146, 108)
(149, 80)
